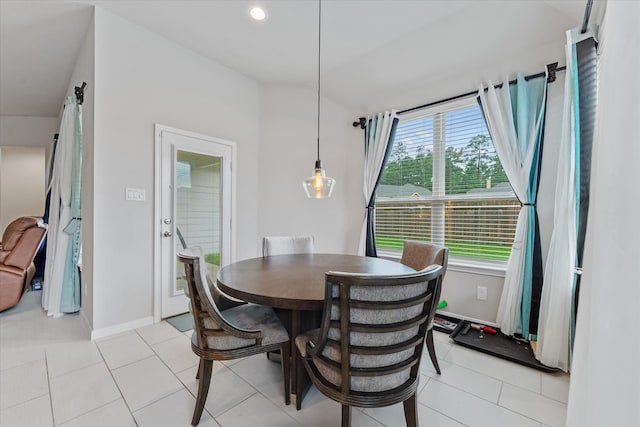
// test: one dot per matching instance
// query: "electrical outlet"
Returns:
(481, 293)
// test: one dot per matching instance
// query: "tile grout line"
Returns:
(243, 400)
(280, 407)
(514, 411)
(443, 414)
(145, 358)
(467, 392)
(488, 401)
(539, 394)
(46, 366)
(85, 367)
(34, 397)
(184, 386)
(491, 376)
(116, 384)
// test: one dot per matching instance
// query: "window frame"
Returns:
(439, 198)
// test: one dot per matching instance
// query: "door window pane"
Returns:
(198, 208)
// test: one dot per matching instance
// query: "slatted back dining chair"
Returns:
(419, 255)
(282, 245)
(239, 331)
(367, 351)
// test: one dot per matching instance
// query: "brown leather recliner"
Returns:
(19, 245)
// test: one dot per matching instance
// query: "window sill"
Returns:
(487, 268)
(462, 265)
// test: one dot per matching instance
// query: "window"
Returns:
(443, 183)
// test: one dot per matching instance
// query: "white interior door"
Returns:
(195, 208)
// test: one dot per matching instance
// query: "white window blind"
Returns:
(443, 183)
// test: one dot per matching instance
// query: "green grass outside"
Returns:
(469, 250)
(212, 259)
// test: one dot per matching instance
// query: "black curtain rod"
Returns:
(585, 20)
(551, 68)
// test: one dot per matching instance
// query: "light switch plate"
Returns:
(135, 194)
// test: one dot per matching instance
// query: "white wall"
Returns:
(142, 79)
(468, 77)
(604, 386)
(22, 182)
(27, 166)
(27, 131)
(288, 137)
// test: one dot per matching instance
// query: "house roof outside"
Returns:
(406, 191)
(415, 192)
(503, 187)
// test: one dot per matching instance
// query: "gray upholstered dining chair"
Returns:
(367, 351)
(419, 255)
(281, 245)
(239, 331)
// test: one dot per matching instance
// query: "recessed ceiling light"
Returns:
(258, 13)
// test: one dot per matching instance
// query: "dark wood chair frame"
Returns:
(406, 392)
(437, 252)
(203, 306)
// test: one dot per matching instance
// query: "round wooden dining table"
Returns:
(296, 281)
(294, 285)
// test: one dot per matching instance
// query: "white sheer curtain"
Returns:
(515, 127)
(60, 210)
(378, 132)
(605, 373)
(554, 327)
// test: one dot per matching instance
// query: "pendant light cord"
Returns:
(319, 26)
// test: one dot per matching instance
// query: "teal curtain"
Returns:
(515, 117)
(559, 295)
(61, 289)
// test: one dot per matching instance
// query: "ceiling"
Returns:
(385, 44)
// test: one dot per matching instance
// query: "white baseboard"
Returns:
(85, 322)
(470, 319)
(122, 327)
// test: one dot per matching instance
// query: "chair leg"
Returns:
(411, 411)
(432, 350)
(299, 378)
(203, 389)
(286, 371)
(346, 416)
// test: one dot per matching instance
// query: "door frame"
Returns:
(157, 207)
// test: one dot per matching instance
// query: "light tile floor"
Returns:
(52, 375)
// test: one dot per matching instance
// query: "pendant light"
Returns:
(318, 185)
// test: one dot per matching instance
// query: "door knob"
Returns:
(167, 234)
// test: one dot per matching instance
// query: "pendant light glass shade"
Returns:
(318, 186)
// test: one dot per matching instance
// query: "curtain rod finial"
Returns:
(79, 92)
(362, 122)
